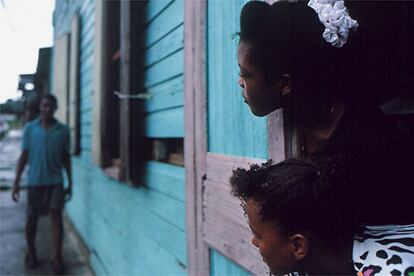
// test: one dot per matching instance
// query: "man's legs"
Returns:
(57, 233)
(31, 227)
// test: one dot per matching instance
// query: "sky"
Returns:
(25, 26)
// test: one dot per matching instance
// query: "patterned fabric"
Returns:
(385, 250)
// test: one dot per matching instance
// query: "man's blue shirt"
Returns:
(46, 148)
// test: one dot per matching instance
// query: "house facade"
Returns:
(153, 139)
(157, 122)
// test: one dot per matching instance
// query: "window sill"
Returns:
(113, 172)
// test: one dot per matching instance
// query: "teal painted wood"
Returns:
(166, 179)
(170, 44)
(232, 129)
(135, 229)
(165, 70)
(220, 266)
(164, 22)
(88, 21)
(125, 227)
(164, 61)
(87, 45)
(165, 124)
(97, 265)
(87, 12)
(166, 95)
(154, 8)
(138, 221)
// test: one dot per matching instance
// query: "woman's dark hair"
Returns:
(295, 195)
(286, 37)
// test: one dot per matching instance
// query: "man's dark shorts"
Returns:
(42, 198)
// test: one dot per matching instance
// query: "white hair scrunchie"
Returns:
(335, 17)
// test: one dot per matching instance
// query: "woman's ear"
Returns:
(300, 246)
(286, 85)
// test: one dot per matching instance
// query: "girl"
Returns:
(296, 226)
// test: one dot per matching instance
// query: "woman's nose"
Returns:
(241, 83)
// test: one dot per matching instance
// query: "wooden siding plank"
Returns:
(87, 61)
(154, 8)
(74, 92)
(87, 46)
(166, 179)
(195, 141)
(166, 95)
(242, 254)
(232, 128)
(86, 69)
(159, 204)
(230, 234)
(163, 24)
(99, 75)
(131, 212)
(220, 166)
(165, 124)
(165, 47)
(88, 20)
(228, 231)
(87, 6)
(125, 105)
(169, 237)
(220, 265)
(276, 139)
(122, 258)
(165, 70)
(105, 210)
(61, 75)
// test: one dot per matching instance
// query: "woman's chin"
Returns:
(260, 113)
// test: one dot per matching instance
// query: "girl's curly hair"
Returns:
(295, 195)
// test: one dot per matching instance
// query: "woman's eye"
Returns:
(244, 75)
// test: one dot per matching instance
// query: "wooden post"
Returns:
(276, 137)
(195, 141)
(125, 88)
(99, 83)
(74, 109)
(61, 75)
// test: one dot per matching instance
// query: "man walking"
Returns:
(45, 147)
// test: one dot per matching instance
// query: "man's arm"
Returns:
(21, 164)
(68, 168)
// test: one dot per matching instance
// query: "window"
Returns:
(111, 112)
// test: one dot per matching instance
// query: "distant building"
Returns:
(34, 86)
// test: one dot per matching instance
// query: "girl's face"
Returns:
(262, 97)
(277, 250)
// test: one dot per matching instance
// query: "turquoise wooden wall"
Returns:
(221, 266)
(164, 68)
(133, 231)
(232, 129)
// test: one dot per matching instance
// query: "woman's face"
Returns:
(262, 97)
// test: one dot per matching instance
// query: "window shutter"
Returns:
(60, 75)
(74, 102)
